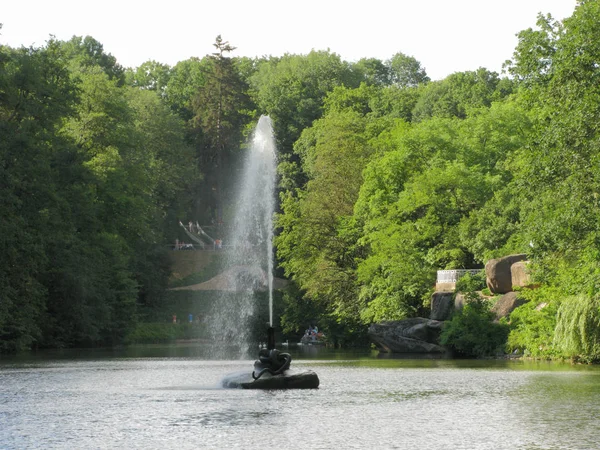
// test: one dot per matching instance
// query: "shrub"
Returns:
(532, 329)
(532, 324)
(471, 282)
(472, 332)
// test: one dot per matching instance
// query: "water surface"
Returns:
(169, 397)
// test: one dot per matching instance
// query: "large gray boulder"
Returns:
(506, 304)
(417, 335)
(498, 273)
(442, 305)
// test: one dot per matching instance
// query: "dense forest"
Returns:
(385, 177)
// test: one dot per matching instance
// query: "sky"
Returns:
(446, 36)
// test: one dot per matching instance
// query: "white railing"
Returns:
(452, 276)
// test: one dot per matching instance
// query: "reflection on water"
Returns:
(166, 397)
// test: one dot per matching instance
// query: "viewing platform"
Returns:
(446, 279)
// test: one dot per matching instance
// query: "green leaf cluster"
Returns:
(472, 332)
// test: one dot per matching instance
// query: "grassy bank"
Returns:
(155, 333)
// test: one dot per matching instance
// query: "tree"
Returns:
(472, 331)
(88, 52)
(532, 62)
(373, 71)
(405, 71)
(221, 110)
(184, 81)
(416, 236)
(150, 75)
(316, 244)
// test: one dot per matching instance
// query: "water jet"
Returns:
(251, 241)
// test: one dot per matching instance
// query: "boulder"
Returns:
(506, 304)
(519, 275)
(442, 305)
(498, 273)
(417, 335)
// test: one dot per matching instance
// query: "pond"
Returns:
(169, 397)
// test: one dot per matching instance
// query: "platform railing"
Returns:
(452, 276)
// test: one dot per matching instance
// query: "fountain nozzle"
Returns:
(270, 338)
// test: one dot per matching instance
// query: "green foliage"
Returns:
(221, 110)
(184, 79)
(291, 90)
(385, 178)
(417, 236)
(84, 53)
(150, 75)
(218, 108)
(471, 282)
(459, 94)
(577, 333)
(471, 332)
(405, 71)
(36, 92)
(373, 71)
(92, 170)
(321, 261)
(532, 324)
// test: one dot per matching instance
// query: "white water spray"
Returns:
(253, 223)
(249, 247)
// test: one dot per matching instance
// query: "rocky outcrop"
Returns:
(420, 335)
(498, 273)
(506, 304)
(417, 335)
(442, 305)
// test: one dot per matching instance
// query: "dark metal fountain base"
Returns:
(287, 380)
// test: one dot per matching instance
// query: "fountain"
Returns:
(248, 249)
(251, 254)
